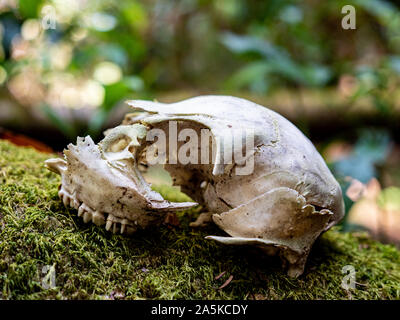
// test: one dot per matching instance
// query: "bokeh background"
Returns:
(66, 68)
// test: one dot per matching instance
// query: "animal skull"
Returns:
(287, 199)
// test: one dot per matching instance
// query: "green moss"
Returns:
(165, 262)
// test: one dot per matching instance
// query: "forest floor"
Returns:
(47, 252)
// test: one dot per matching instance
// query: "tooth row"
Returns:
(116, 224)
(68, 200)
(112, 223)
(91, 215)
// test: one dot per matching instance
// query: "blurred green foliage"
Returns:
(293, 43)
(212, 45)
(370, 150)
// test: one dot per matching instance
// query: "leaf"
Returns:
(245, 44)
(114, 93)
(394, 63)
(220, 275)
(389, 199)
(371, 148)
(317, 75)
(97, 121)
(134, 83)
(114, 53)
(228, 281)
(249, 74)
(22, 140)
(275, 60)
(384, 10)
(64, 126)
(29, 8)
(136, 15)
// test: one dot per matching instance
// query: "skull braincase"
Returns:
(287, 200)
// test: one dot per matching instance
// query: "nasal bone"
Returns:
(56, 165)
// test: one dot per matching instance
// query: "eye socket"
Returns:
(318, 208)
(118, 145)
(131, 149)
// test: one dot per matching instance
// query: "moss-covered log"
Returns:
(169, 262)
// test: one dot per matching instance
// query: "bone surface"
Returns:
(282, 205)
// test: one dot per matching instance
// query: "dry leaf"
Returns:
(220, 275)
(228, 281)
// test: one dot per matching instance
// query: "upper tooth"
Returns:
(80, 211)
(65, 200)
(123, 225)
(76, 204)
(108, 225)
(98, 218)
(87, 216)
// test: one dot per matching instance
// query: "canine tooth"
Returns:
(87, 216)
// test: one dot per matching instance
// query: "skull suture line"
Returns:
(288, 199)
